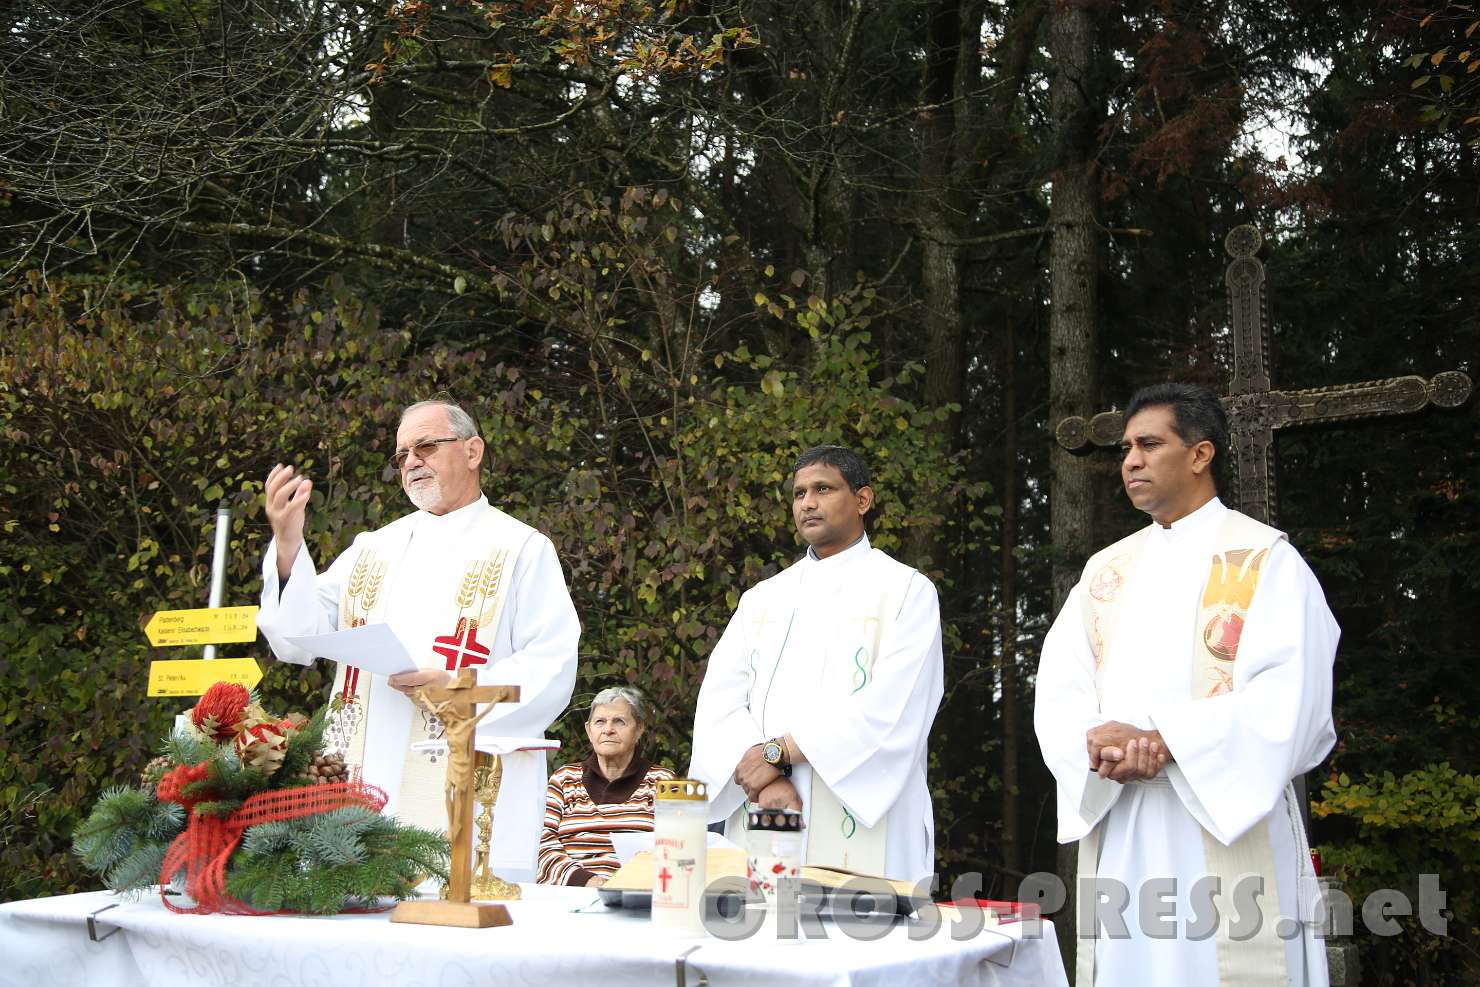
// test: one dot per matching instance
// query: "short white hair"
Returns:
(460, 421)
(623, 693)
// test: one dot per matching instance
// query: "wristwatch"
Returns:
(774, 754)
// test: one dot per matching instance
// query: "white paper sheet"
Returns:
(629, 845)
(494, 745)
(373, 647)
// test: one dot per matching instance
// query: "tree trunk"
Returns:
(1012, 852)
(952, 65)
(1074, 273)
(940, 215)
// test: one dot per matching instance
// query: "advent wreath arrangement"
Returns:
(247, 814)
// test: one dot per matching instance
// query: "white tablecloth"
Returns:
(560, 938)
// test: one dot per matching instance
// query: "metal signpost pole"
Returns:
(218, 567)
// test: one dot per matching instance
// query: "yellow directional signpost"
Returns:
(211, 625)
(192, 677)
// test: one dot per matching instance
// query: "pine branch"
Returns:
(264, 881)
(270, 837)
(217, 807)
(320, 890)
(114, 829)
(165, 822)
(383, 877)
(184, 747)
(336, 836)
(229, 781)
(139, 871)
(428, 851)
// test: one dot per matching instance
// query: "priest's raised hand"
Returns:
(286, 502)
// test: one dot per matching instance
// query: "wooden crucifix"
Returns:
(1256, 410)
(456, 705)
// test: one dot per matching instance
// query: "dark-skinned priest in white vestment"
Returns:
(820, 694)
(462, 585)
(1183, 686)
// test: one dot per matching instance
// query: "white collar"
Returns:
(854, 551)
(1203, 521)
(452, 519)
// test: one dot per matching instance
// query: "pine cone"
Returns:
(154, 770)
(326, 769)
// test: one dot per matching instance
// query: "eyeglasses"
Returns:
(424, 450)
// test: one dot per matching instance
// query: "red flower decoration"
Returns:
(777, 867)
(220, 710)
(174, 781)
(262, 733)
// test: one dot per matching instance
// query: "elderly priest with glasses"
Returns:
(462, 585)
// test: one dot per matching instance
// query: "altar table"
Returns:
(561, 937)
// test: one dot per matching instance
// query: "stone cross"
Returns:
(1256, 410)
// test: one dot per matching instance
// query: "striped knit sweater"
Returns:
(582, 807)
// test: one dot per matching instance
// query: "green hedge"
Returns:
(127, 419)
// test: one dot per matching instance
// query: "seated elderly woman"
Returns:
(609, 792)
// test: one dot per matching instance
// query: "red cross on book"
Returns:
(461, 647)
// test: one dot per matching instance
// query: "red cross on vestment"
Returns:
(352, 672)
(461, 647)
(664, 877)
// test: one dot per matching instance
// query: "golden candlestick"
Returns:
(486, 779)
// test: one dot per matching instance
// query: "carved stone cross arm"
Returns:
(1256, 410)
(1253, 419)
(1343, 402)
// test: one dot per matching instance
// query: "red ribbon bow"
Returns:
(208, 841)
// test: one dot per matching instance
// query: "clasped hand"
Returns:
(764, 783)
(1123, 753)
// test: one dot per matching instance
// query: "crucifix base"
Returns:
(458, 914)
